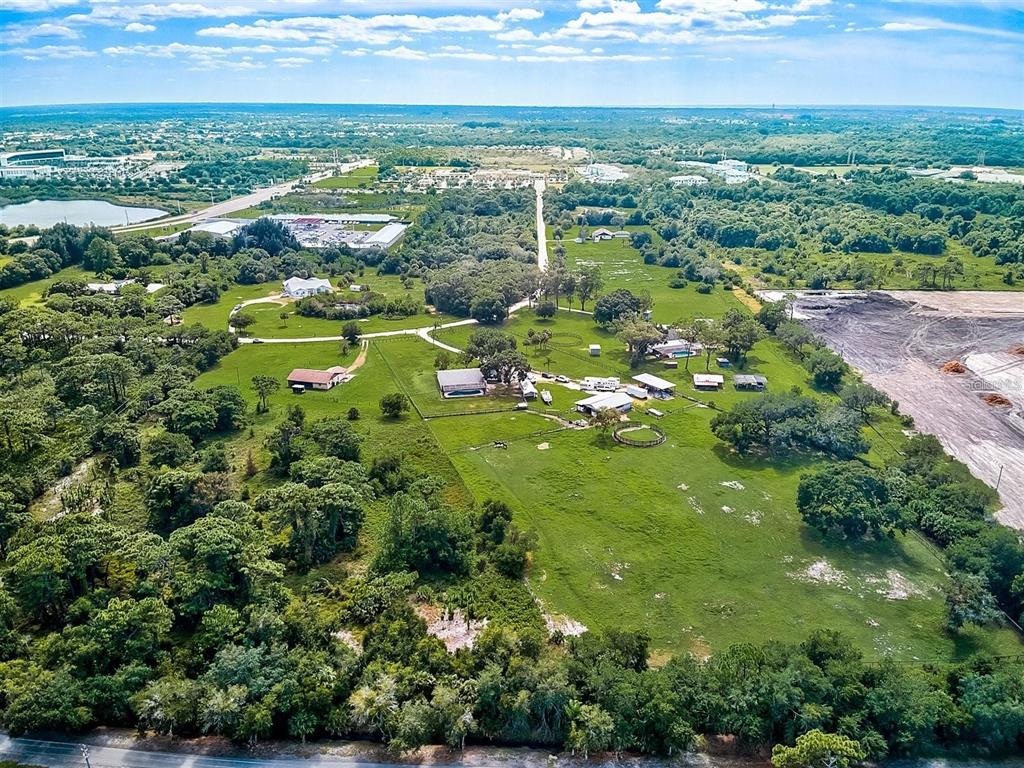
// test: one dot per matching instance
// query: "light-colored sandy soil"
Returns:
(899, 346)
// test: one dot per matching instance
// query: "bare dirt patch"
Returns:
(894, 586)
(900, 345)
(820, 572)
(451, 628)
(560, 623)
(954, 366)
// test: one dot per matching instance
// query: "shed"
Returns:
(657, 386)
(708, 380)
(461, 382)
(619, 401)
(595, 350)
(754, 382)
(528, 389)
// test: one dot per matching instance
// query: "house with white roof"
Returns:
(301, 287)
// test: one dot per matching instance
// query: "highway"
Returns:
(242, 202)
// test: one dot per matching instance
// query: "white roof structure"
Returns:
(218, 227)
(605, 400)
(708, 379)
(384, 237)
(304, 286)
(455, 379)
(651, 381)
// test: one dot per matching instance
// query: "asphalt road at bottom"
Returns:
(63, 754)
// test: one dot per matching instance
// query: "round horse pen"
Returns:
(649, 437)
(565, 339)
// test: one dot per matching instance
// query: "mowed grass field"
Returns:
(32, 293)
(622, 267)
(360, 177)
(269, 324)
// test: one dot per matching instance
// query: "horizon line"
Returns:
(746, 106)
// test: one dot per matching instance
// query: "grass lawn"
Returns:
(215, 315)
(32, 293)
(622, 267)
(408, 435)
(360, 177)
(695, 545)
(268, 316)
(156, 231)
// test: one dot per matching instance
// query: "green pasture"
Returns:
(622, 267)
(32, 293)
(360, 177)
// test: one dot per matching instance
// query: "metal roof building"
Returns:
(654, 383)
(462, 382)
(619, 401)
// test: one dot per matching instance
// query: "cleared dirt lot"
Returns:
(900, 340)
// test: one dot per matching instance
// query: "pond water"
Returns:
(46, 213)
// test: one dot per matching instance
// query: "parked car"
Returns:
(562, 379)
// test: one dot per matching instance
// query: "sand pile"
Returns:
(954, 366)
(994, 399)
(1017, 349)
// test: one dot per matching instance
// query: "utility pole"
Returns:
(1000, 478)
(85, 756)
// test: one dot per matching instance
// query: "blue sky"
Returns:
(544, 52)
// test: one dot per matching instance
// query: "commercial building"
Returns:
(32, 157)
(300, 287)
(689, 180)
(218, 227)
(461, 382)
(384, 237)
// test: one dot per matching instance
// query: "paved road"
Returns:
(61, 754)
(244, 201)
(542, 240)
